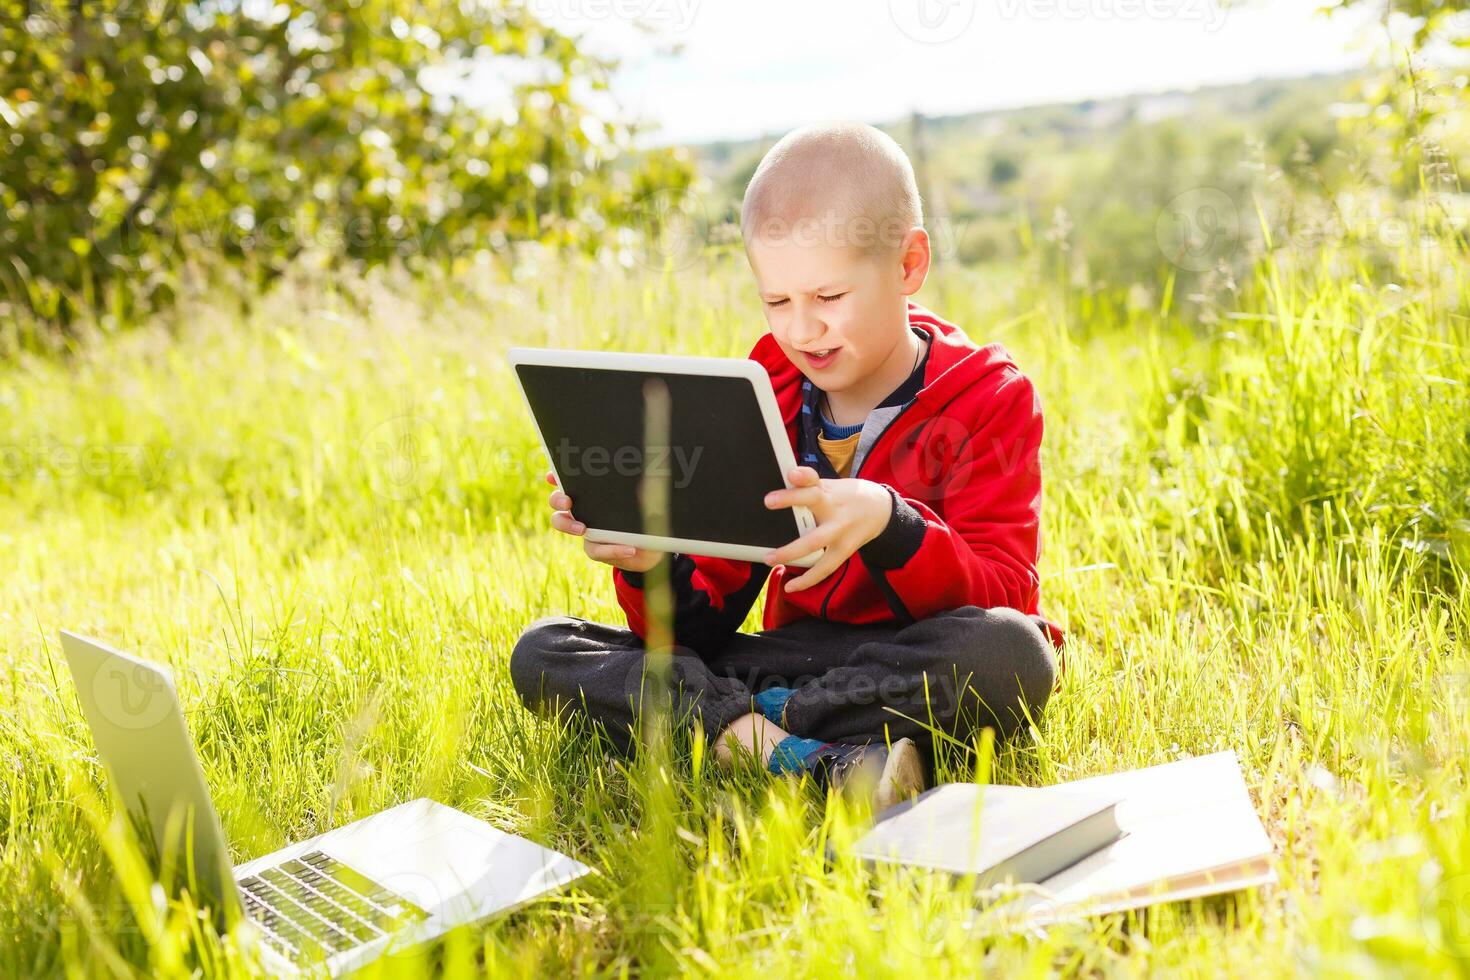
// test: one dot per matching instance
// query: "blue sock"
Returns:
(790, 752)
(772, 702)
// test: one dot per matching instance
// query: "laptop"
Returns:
(387, 882)
(727, 448)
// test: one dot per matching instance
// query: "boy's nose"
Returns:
(807, 329)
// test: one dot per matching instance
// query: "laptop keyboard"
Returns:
(315, 906)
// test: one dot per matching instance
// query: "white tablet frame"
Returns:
(724, 367)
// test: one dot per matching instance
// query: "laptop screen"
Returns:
(133, 711)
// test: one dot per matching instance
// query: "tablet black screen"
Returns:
(720, 462)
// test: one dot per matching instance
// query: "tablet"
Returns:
(727, 448)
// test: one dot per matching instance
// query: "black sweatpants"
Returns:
(956, 672)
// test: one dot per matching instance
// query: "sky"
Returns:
(703, 70)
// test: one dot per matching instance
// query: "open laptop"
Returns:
(389, 881)
(728, 448)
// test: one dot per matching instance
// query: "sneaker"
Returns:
(883, 774)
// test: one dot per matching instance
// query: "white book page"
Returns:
(1189, 829)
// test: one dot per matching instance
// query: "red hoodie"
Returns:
(962, 463)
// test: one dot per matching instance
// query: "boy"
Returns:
(919, 461)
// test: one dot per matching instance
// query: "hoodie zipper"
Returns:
(822, 613)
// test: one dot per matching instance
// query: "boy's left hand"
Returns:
(849, 513)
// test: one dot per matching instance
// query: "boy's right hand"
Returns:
(624, 556)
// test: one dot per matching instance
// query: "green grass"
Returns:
(326, 514)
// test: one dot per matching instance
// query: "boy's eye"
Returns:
(773, 303)
(831, 299)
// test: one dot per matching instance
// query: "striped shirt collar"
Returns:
(811, 418)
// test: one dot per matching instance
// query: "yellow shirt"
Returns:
(839, 452)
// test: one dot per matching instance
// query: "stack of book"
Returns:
(1107, 844)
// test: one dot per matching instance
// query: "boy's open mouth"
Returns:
(820, 358)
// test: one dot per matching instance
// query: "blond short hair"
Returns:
(835, 183)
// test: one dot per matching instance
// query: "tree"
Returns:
(135, 131)
(1416, 105)
(1432, 21)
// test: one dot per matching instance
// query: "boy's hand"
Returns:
(849, 514)
(624, 556)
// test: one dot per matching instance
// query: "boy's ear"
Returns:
(914, 256)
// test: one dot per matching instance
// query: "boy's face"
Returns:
(837, 312)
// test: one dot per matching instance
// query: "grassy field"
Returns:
(325, 512)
